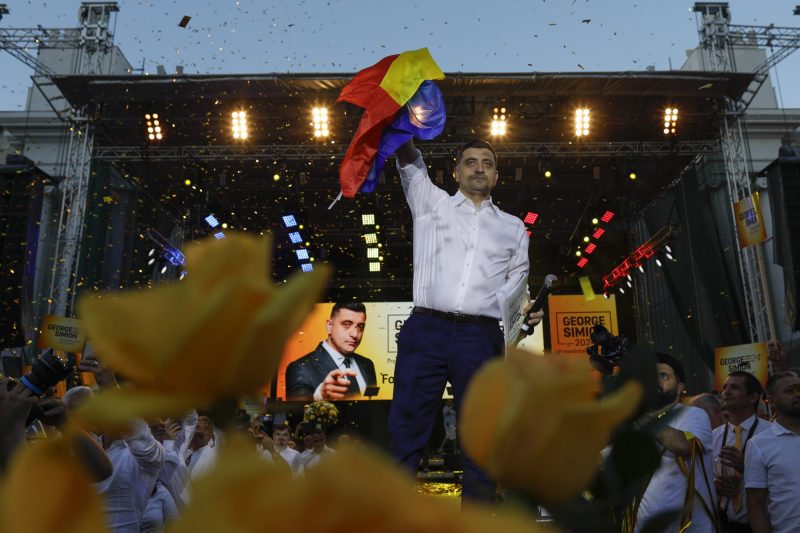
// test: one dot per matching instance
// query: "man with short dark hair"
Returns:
(741, 393)
(466, 252)
(686, 441)
(772, 462)
(280, 438)
(334, 371)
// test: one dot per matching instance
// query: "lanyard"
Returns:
(749, 434)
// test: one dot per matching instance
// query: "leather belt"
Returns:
(455, 317)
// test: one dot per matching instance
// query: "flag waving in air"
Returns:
(382, 90)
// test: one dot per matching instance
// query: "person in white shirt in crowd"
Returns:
(741, 394)
(772, 462)
(319, 449)
(200, 452)
(467, 251)
(280, 438)
(709, 403)
(136, 457)
(688, 427)
(174, 475)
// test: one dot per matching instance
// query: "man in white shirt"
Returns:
(318, 450)
(201, 454)
(280, 437)
(334, 371)
(689, 427)
(741, 393)
(466, 251)
(772, 462)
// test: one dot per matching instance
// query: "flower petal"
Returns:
(114, 408)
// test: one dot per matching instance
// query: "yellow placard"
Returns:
(572, 318)
(749, 222)
(747, 357)
(62, 333)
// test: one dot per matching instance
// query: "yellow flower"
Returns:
(533, 423)
(245, 494)
(219, 332)
(45, 490)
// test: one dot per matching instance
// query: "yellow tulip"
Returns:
(245, 494)
(45, 490)
(534, 424)
(218, 333)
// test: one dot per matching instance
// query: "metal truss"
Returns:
(307, 151)
(719, 38)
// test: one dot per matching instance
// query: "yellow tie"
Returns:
(737, 500)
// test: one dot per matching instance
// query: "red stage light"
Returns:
(590, 248)
(598, 233)
(529, 232)
(582, 262)
(607, 216)
(531, 217)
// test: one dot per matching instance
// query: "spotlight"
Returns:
(531, 218)
(622, 290)
(302, 253)
(632, 175)
(289, 221)
(371, 238)
(187, 182)
(582, 122)
(629, 284)
(164, 269)
(658, 261)
(151, 261)
(590, 248)
(374, 266)
(670, 120)
(548, 174)
(669, 256)
(219, 235)
(276, 177)
(182, 275)
(586, 239)
(498, 127)
(295, 237)
(306, 267)
(598, 233)
(578, 253)
(373, 253)
(582, 262)
(154, 132)
(212, 221)
(368, 219)
(595, 221)
(319, 116)
(641, 269)
(239, 124)
(605, 295)
(224, 225)
(668, 249)
(151, 252)
(607, 216)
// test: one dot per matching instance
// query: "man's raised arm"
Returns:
(407, 153)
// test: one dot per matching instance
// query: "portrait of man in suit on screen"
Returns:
(334, 371)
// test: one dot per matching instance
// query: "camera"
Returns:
(48, 370)
(606, 349)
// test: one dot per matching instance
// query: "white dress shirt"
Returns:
(160, 510)
(667, 487)
(311, 458)
(772, 462)
(463, 256)
(338, 359)
(136, 461)
(763, 425)
(293, 459)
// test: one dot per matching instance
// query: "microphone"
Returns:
(538, 303)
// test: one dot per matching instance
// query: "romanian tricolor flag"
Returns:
(382, 90)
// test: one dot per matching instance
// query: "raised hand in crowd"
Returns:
(16, 401)
(103, 375)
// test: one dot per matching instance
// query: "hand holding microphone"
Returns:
(536, 307)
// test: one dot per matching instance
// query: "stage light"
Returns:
(578, 253)
(182, 275)
(670, 120)
(306, 267)
(548, 174)
(605, 295)
(582, 262)
(224, 225)
(164, 269)
(301, 253)
(629, 284)
(582, 122)
(151, 252)
(498, 128)
(187, 182)
(531, 218)
(212, 221)
(289, 221)
(276, 177)
(658, 261)
(373, 253)
(319, 117)
(374, 266)
(632, 175)
(154, 132)
(152, 260)
(669, 256)
(371, 238)
(368, 219)
(622, 290)
(598, 233)
(239, 124)
(641, 269)
(590, 248)
(668, 249)
(586, 239)
(295, 237)
(219, 235)
(607, 216)
(595, 221)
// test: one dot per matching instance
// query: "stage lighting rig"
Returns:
(168, 251)
(498, 125)
(239, 125)
(154, 132)
(582, 120)
(319, 117)
(670, 120)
